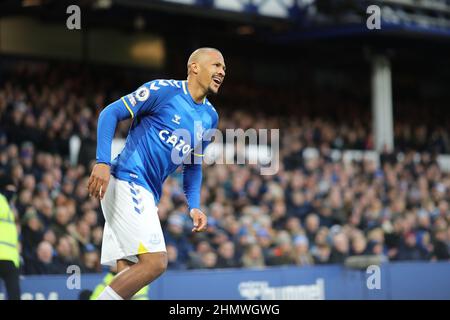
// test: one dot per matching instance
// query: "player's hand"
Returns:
(98, 181)
(200, 220)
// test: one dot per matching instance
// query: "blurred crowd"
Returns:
(313, 211)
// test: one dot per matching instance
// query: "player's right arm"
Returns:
(106, 127)
(144, 100)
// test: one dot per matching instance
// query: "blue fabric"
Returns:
(192, 184)
(106, 128)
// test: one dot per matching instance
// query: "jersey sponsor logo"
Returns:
(142, 94)
(176, 119)
(176, 142)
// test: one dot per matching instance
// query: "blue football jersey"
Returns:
(168, 128)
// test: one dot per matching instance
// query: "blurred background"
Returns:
(360, 95)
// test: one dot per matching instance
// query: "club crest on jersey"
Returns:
(199, 131)
(142, 94)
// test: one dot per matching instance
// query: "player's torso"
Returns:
(159, 142)
(177, 127)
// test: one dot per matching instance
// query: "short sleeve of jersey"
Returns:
(148, 97)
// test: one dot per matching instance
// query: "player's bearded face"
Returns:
(214, 73)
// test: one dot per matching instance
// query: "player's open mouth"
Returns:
(217, 80)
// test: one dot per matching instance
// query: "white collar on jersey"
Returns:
(183, 84)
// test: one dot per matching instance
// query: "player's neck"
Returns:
(197, 93)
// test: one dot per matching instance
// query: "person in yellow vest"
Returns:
(140, 295)
(9, 242)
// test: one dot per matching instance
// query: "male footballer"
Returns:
(170, 121)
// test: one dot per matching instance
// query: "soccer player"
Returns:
(171, 122)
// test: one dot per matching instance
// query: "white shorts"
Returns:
(132, 225)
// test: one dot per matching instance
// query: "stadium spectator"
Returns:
(176, 236)
(90, 259)
(43, 261)
(208, 260)
(441, 244)
(340, 248)
(32, 232)
(322, 254)
(358, 245)
(282, 253)
(226, 256)
(172, 257)
(302, 255)
(67, 253)
(409, 250)
(253, 257)
(312, 226)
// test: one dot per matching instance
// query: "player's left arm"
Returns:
(192, 184)
(192, 180)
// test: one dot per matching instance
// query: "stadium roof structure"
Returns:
(323, 17)
(288, 21)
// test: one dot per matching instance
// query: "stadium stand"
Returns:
(316, 210)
